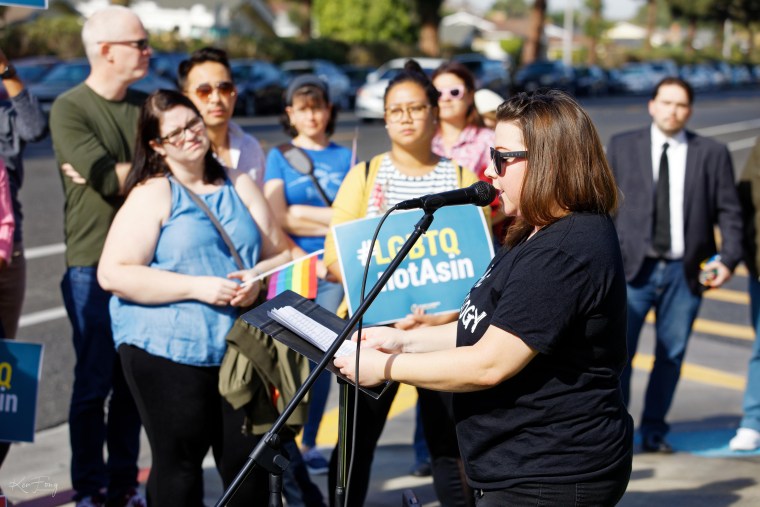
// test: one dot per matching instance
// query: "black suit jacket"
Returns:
(710, 199)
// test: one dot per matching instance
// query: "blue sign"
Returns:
(20, 366)
(436, 275)
(34, 4)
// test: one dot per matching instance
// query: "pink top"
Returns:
(471, 149)
(7, 224)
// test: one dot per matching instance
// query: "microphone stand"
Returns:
(266, 454)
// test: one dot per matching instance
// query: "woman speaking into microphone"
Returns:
(535, 357)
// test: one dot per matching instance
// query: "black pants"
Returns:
(184, 415)
(441, 438)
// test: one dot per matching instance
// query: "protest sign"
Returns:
(20, 367)
(435, 276)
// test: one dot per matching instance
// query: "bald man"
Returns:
(93, 128)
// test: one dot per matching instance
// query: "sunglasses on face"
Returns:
(501, 159)
(178, 136)
(452, 92)
(140, 44)
(226, 89)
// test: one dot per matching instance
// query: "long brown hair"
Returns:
(567, 170)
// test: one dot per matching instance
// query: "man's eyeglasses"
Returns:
(226, 89)
(395, 114)
(178, 136)
(452, 92)
(140, 44)
(500, 159)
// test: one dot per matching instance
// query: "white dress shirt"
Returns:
(677, 147)
(246, 154)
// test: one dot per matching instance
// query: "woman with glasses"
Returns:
(177, 292)
(410, 169)
(537, 399)
(302, 205)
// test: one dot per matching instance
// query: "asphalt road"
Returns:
(721, 344)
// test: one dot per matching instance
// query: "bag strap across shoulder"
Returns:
(301, 162)
(227, 241)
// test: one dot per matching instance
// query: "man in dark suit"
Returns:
(675, 187)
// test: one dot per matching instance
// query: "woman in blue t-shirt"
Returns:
(177, 292)
(536, 355)
(301, 202)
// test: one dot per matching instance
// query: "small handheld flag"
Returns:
(300, 276)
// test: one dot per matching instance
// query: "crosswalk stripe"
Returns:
(727, 296)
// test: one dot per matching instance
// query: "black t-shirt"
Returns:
(562, 418)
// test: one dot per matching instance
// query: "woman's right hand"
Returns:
(386, 339)
(215, 290)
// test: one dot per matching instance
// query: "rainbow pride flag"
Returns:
(300, 276)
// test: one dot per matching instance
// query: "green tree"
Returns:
(365, 21)
(593, 28)
(429, 17)
(512, 8)
(693, 12)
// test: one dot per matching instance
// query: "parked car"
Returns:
(489, 73)
(166, 65)
(357, 75)
(338, 84)
(370, 98)
(590, 80)
(632, 78)
(260, 87)
(31, 70)
(68, 74)
(545, 74)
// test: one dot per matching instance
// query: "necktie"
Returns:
(661, 241)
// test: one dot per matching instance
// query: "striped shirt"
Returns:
(391, 186)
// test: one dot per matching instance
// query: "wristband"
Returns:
(9, 72)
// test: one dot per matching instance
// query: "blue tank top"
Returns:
(191, 332)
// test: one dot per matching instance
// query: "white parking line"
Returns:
(33, 318)
(729, 128)
(44, 251)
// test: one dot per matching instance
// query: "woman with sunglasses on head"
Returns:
(538, 406)
(302, 205)
(206, 78)
(410, 169)
(177, 292)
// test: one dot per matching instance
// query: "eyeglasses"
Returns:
(140, 44)
(226, 89)
(395, 114)
(500, 159)
(452, 92)
(178, 136)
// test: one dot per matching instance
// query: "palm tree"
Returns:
(532, 49)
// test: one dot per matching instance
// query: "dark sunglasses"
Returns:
(141, 44)
(500, 159)
(225, 89)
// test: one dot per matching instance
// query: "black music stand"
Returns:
(267, 452)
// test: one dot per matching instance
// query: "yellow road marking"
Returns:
(697, 373)
(738, 331)
(727, 296)
(406, 398)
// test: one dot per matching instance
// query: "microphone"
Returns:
(479, 194)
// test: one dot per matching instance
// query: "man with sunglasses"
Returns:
(93, 128)
(206, 79)
(676, 187)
